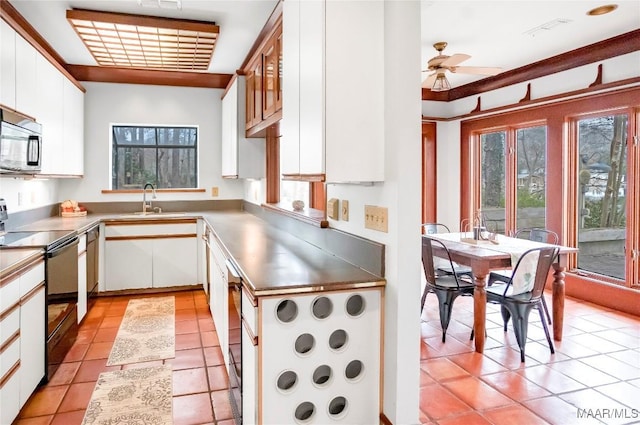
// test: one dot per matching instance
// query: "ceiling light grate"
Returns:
(547, 26)
(124, 40)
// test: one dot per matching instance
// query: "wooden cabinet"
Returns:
(82, 277)
(22, 337)
(333, 106)
(72, 130)
(150, 255)
(50, 114)
(219, 301)
(263, 85)
(242, 157)
(249, 361)
(254, 93)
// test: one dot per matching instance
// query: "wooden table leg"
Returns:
(479, 310)
(558, 300)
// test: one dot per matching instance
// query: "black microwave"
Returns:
(20, 143)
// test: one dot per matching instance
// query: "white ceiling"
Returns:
(494, 33)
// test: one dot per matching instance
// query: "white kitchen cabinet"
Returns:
(175, 262)
(329, 116)
(319, 357)
(32, 341)
(249, 361)
(241, 157)
(128, 264)
(27, 94)
(7, 65)
(73, 129)
(219, 302)
(149, 255)
(22, 336)
(50, 114)
(82, 277)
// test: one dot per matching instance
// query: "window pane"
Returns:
(291, 191)
(176, 168)
(134, 135)
(602, 178)
(492, 172)
(177, 136)
(531, 168)
(135, 167)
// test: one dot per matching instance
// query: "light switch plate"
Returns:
(376, 218)
(333, 209)
(214, 191)
(345, 210)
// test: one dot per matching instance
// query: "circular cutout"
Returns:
(338, 339)
(337, 406)
(304, 411)
(305, 343)
(287, 380)
(322, 375)
(322, 307)
(355, 305)
(353, 369)
(287, 311)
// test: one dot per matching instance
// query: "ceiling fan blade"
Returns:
(453, 60)
(428, 82)
(479, 70)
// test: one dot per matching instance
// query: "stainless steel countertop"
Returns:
(271, 261)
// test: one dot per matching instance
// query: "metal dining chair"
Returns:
(537, 234)
(445, 267)
(447, 287)
(524, 292)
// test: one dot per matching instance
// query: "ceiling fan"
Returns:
(437, 81)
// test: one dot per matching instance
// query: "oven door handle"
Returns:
(60, 249)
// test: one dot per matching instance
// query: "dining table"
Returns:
(498, 253)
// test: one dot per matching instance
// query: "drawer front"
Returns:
(9, 357)
(32, 278)
(151, 229)
(9, 294)
(9, 324)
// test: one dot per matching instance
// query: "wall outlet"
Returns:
(345, 210)
(376, 218)
(333, 210)
(214, 191)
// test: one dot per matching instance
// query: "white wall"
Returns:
(27, 194)
(107, 104)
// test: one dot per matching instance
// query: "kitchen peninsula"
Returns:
(310, 321)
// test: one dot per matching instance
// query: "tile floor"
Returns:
(199, 376)
(597, 366)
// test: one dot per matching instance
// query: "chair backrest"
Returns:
(427, 259)
(531, 271)
(538, 234)
(433, 228)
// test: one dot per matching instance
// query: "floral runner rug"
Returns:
(147, 332)
(132, 396)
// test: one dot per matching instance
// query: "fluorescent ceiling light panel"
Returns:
(123, 40)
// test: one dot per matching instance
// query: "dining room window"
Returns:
(512, 176)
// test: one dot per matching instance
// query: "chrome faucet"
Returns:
(146, 206)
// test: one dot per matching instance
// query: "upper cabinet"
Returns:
(241, 157)
(333, 86)
(263, 95)
(32, 85)
(7, 65)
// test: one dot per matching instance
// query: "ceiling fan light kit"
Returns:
(437, 81)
